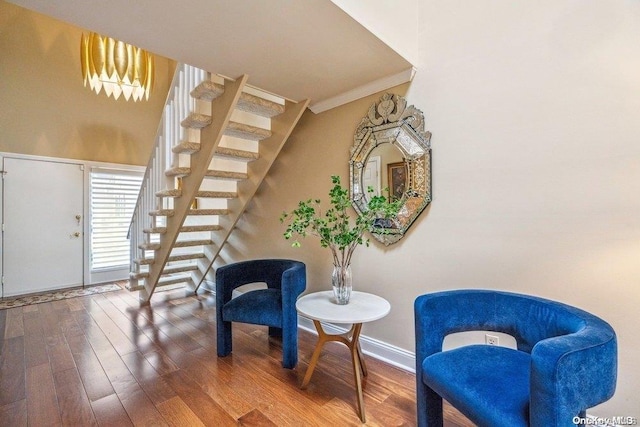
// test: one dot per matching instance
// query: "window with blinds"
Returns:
(113, 198)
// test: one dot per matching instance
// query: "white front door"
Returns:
(43, 226)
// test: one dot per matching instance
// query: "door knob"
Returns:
(76, 234)
(78, 218)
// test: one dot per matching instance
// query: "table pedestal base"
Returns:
(352, 340)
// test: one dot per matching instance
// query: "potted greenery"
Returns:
(338, 231)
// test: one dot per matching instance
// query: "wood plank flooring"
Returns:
(104, 360)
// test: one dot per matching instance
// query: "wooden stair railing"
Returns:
(281, 128)
(189, 221)
(210, 136)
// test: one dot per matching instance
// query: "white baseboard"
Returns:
(380, 350)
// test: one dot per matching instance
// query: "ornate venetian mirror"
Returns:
(391, 150)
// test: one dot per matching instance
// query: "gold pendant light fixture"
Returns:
(116, 67)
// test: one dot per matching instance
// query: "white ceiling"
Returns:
(294, 48)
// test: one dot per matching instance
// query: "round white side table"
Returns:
(362, 308)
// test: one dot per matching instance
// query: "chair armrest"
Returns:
(294, 282)
(227, 279)
(429, 328)
(571, 373)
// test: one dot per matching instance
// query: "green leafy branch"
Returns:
(335, 228)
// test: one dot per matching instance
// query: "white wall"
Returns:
(394, 22)
(535, 113)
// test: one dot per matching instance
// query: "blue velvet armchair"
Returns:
(565, 362)
(274, 306)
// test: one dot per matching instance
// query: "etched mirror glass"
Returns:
(391, 155)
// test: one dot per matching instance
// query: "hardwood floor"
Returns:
(104, 360)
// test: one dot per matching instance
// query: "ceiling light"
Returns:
(116, 67)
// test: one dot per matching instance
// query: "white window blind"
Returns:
(114, 195)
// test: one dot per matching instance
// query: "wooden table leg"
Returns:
(356, 357)
(352, 340)
(322, 338)
(361, 357)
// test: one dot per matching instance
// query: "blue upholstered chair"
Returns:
(565, 362)
(274, 306)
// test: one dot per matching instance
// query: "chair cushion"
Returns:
(488, 384)
(259, 307)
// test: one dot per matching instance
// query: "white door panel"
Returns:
(43, 237)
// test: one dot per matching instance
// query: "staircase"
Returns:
(216, 141)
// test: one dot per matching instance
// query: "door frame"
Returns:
(88, 277)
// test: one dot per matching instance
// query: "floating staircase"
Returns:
(217, 140)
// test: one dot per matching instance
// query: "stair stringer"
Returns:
(281, 128)
(210, 136)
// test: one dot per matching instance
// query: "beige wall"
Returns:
(45, 110)
(534, 109)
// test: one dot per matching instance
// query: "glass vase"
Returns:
(341, 281)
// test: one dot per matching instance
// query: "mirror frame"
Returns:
(391, 121)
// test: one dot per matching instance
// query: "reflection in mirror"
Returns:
(384, 168)
(391, 154)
